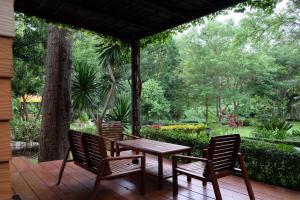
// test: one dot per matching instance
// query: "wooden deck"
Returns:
(37, 181)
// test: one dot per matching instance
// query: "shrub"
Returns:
(248, 121)
(274, 127)
(276, 164)
(186, 128)
(296, 132)
(26, 131)
(290, 141)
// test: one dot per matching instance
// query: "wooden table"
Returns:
(157, 148)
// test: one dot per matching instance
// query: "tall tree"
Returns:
(56, 99)
(29, 56)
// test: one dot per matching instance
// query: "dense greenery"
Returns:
(277, 164)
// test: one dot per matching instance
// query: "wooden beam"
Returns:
(7, 19)
(136, 87)
(5, 149)
(5, 182)
(7, 32)
(6, 57)
(5, 99)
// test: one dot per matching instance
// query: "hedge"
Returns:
(289, 142)
(276, 164)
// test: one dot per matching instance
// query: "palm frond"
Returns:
(85, 87)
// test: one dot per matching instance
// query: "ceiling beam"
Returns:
(103, 13)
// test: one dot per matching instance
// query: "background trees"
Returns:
(200, 72)
(29, 50)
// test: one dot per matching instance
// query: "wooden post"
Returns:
(7, 33)
(136, 87)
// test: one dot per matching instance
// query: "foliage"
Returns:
(26, 131)
(85, 87)
(276, 164)
(29, 55)
(271, 125)
(160, 61)
(296, 132)
(290, 141)
(153, 102)
(185, 128)
(121, 110)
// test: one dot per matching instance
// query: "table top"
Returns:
(153, 147)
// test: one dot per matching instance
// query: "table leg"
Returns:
(160, 172)
(188, 178)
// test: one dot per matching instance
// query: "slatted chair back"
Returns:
(88, 151)
(223, 152)
(112, 130)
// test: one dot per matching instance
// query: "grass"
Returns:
(245, 131)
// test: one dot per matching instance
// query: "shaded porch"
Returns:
(38, 181)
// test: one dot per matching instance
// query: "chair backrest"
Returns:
(88, 150)
(112, 130)
(223, 152)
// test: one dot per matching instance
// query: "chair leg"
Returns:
(246, 177)
(112, 149)
(175, 182)
(62, 168)
(142, 183)
(97, 184)
(175, 178)
(214, 182)
(216, 189)
(112, 152)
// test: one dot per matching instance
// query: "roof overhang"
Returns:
(124, 19)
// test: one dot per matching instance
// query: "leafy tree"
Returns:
(29, 57)
(160, 61)
(154, 105)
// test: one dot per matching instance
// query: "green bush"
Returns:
(277, 164)
(290, 141)
(248, 121)
(26, 131)
(273, 127)
(296, 132)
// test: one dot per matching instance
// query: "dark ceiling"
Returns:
(124, 19)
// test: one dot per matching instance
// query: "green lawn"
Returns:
(246, 130)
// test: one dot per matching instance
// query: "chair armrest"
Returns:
(124, 157)
(132, 136)
(191, 158)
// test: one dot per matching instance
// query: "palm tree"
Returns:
(95, 94)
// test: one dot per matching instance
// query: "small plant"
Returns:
(273, 127)
(121, 110)
(296, 132)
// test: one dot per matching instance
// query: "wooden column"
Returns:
(7, 33)
(136, 87)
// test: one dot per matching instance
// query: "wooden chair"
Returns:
(113, 132)
(219, 161)
(89, 152)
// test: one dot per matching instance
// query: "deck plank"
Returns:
(38, 181)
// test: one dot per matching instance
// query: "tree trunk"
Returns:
(206, 110)
(56, 106)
